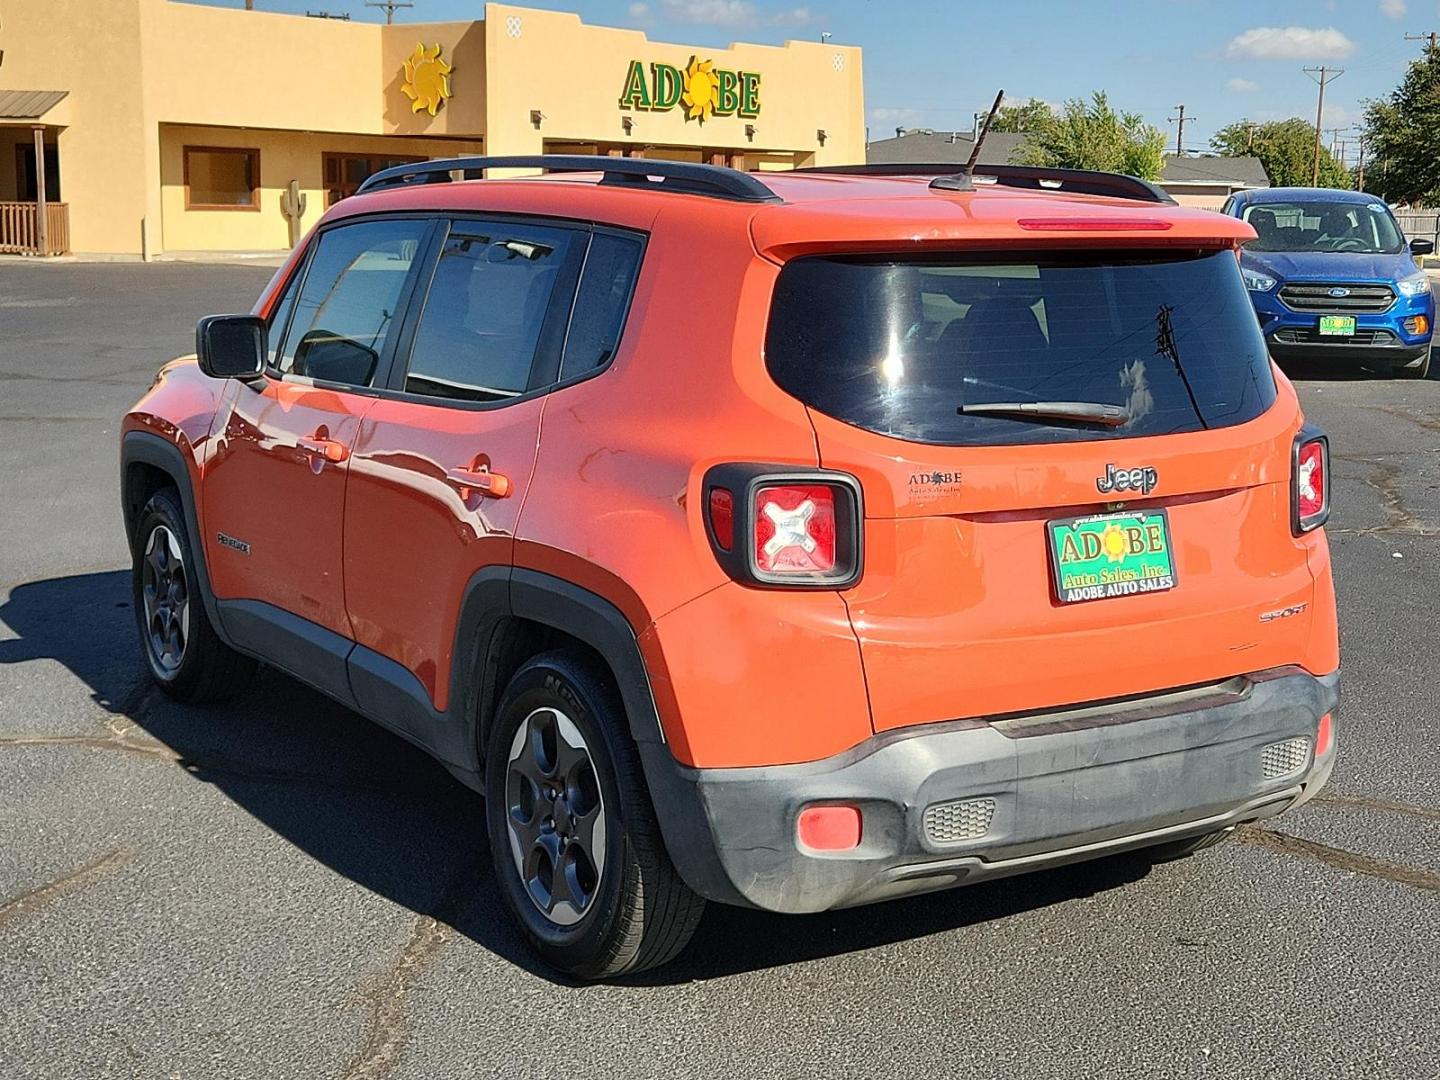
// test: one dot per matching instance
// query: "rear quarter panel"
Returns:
(615, 504)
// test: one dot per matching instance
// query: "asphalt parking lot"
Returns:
(277, 888)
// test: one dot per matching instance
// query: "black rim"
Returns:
(555, 816)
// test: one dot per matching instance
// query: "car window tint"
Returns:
(279, 315)
(479, 331)
(601, 303)
(347, 307)
(900, 345)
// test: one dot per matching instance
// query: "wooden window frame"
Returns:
(253, 153)
(327, 156)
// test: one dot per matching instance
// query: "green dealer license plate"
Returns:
(1337, 325)
(1105, 555)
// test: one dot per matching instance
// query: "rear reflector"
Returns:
(722, 518)
(828, 828)
(1094, 224)
(1324, 736)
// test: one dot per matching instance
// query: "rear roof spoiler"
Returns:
(1034, 178)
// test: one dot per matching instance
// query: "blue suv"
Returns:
(1331, 277)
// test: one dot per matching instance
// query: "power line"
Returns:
(1180, 130)
(1321, 75)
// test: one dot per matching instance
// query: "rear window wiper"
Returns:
(1079, 412)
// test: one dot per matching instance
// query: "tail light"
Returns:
(784, 529)
(1309, 481)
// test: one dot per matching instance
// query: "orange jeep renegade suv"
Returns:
(798, 542)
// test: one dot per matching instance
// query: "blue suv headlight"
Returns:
(1258, 282)
(1414, 285)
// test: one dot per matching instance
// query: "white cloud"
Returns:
(1290, 43)
(736, 14)
(639, 11)
(1242, 86)
(1338, 116)
(799, 16)
(894, 116)
(1392, 9)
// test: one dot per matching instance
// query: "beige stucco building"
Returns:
(172, 126)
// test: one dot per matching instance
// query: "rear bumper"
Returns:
(1002, 797)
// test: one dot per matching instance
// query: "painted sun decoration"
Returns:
(427, 79)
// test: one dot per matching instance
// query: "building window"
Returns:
(221, 178)
(344, 173)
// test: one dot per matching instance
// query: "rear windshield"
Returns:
(899, 346)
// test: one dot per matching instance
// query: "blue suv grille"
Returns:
(1333, 296)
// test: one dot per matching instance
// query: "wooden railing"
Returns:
(20, 233)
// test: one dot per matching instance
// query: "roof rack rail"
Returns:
(715, 181)
(1076, 181)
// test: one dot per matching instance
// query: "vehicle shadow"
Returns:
(1303, 371)
(377, 810)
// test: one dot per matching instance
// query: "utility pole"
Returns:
(1321, 75)
(1180, 130)
(389, 7)
(1360, 174)
(1432, 37)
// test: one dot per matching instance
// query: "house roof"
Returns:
(944, 147)
(941, 147)
(1231, 171)
(28, 104)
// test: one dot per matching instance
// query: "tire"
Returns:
(1419, 371)
(581, 864)
(1181, 849)
(181, 650)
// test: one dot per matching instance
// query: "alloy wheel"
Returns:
(165, 589)
(555, 816)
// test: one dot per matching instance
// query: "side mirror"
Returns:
(231, 346)
(1422, 247)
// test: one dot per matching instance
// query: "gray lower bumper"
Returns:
(1042, 790)
(1395, 353)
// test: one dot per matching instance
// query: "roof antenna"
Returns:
(964, 180)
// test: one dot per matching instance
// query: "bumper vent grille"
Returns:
(960, 819)
(1309, 335)
(1281, 758)
(1321, 296)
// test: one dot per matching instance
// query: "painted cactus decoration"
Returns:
(292, 205)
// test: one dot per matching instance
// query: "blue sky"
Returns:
(932, 63)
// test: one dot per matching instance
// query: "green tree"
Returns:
(1022, 118)
(1092, 135)
(1286, 148)
(1402, 136)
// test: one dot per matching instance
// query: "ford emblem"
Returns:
(1337, 293)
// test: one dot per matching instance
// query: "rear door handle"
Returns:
(480, 481)
(331, 450)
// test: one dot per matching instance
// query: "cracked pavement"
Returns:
(277, 888)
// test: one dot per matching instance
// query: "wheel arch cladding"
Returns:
(147, 459)
(595, 623)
